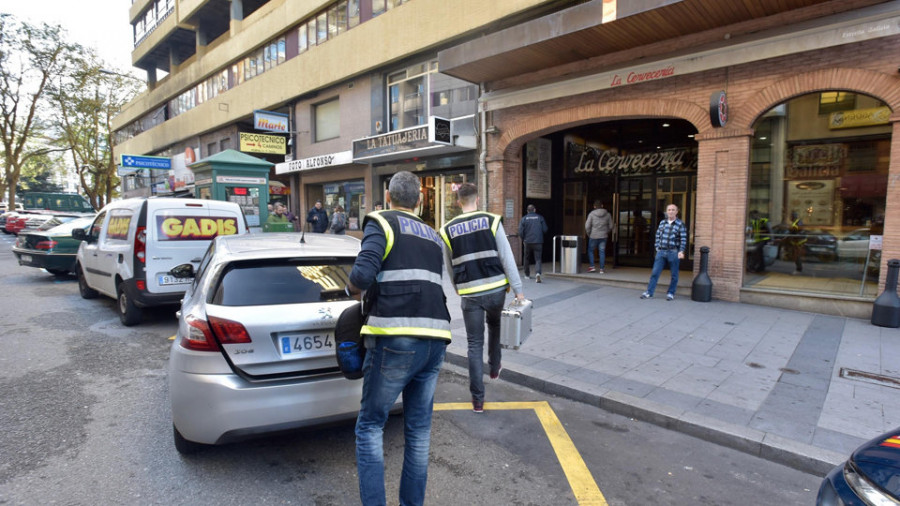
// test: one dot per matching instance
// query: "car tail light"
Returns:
(140, 244)
(229, 332)
(45, 245)
(199, 336)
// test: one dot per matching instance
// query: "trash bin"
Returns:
(570, 253)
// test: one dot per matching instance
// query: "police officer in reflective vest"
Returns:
(482, 267)
(760, 233)
(400, 266)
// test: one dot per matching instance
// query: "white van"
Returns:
(133, 244)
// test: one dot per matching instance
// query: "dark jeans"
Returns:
(394, 366)
(476, 310)
(533, 250)
(664, 257)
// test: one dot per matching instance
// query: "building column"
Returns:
(890, 248)
(723, 163)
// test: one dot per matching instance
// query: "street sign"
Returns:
(145, 162)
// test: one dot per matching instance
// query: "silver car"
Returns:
(254, 351)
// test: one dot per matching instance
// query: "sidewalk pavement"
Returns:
(797, 388)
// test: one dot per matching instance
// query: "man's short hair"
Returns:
(279, 204)
(531, 208)
(598, 204)
(404, 189)
(466, 192)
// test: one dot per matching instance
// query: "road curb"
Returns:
(800, 456)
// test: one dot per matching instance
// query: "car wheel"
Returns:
(184, 446)
(129, 314)
(83, 288)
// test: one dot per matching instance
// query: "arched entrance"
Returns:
(635, 167)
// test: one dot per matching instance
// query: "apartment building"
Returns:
(788, 108)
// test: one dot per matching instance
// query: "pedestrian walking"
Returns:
(318, 218)
(597, 227)
(338, 221)
(407, 329)
(482, 268)
(532, 228)
(671, 243)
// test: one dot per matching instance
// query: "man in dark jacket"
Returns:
(318, 217)
(532, 229)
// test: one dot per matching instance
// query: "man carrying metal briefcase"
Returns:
(482, 268)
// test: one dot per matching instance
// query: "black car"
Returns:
(871, 476)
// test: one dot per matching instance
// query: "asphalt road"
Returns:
(85, 420)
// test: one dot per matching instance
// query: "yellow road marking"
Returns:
(583, 485)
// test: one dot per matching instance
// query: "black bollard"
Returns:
(886, 310)
(701, 289)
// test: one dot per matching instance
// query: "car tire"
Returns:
(184, 446)
(83, 288)
(129, 314)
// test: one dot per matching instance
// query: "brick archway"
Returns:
(877, 84)
(517, 133)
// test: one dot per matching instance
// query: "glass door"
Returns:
(636, 222)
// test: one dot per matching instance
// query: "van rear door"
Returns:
(179, 232)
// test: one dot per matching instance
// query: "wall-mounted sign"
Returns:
(145, 162)
(859, 118)
(436, 132)
(261, 143)
(270, 121)
(537, 169)
(315, 162)
(239, 180)
(718, 109)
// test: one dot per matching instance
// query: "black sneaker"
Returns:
(496, 374)
(477, 406)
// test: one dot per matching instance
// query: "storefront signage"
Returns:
(261, 143)
(641, 76)
(270, 121)
(315, 162)
(718, 109)
(437, 131)
(145, 162)
(238, 180)
(816, 160)
(859, 118)
(581, 159)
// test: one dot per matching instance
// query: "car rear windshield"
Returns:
(283, 282)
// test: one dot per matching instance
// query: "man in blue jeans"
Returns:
(597, 227)
(482, 267)
(532, 228)
(671, 243)
(400, 265)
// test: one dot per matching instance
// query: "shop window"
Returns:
(351, 195)
(327, 120)
(817, 194)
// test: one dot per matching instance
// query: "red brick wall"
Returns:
(869, 67)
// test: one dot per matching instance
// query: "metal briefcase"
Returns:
(515, 324)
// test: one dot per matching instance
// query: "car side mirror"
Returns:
(79, 234)
(182, 271)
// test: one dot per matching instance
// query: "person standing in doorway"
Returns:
(671, 243)
(482, 268)
(796, 242)
(532, 228)
(597, 227)
(400, 267)
(318, 218)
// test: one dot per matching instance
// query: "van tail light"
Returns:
(229, 332)
(199, 336)
(140, 244)
(48, 245)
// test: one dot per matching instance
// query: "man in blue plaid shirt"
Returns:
(671, 243)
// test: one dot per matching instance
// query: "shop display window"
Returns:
(351, 195)
(817, 195)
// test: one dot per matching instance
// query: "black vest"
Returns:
(407, 298)
(472, 240)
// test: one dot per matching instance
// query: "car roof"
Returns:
(284, 245)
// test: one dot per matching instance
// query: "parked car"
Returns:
(855, 245)
(133, 244)
(4, 218)
(254, 350)
(870, 476)
(53, 249)
(821, 244)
